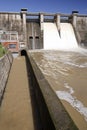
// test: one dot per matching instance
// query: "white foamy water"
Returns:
(52, 40)
(68, 96)
(67, 36)
(66, 72)
(51, 36)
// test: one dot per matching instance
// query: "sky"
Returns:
(49, 6)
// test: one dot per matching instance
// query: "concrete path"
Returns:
(16, 111)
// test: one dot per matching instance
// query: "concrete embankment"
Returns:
(16, 111)
(52, 112)
(5, 66)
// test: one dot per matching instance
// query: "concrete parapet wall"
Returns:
(5, 65)
(53, 114)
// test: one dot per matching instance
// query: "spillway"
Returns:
(54, 40)
(66, 72)
(51, 36)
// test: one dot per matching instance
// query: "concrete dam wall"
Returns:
(31, 31)
(29, 28)
(34, 35)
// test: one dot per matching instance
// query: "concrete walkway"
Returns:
(16, 111)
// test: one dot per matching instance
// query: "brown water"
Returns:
(66, 71)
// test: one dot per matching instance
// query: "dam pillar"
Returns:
(41, 28)
(74, 18)
(74, 23)
(23, 15)
(57, 20)
(41, 20)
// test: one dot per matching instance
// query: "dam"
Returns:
(46, 84)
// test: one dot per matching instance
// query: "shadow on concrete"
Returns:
(41, 116)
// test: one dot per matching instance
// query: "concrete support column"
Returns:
(41, 21)
(42, 29)
(58, 21)
(23, 15)
(74, 18)
(74, 23)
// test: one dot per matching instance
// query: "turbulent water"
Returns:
(66, 71)
(55, 40)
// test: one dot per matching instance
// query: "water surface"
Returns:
(66, 71)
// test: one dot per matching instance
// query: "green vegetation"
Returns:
(2, 50)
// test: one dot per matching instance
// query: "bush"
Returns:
(2, 50)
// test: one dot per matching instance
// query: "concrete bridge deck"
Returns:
(16, 111)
